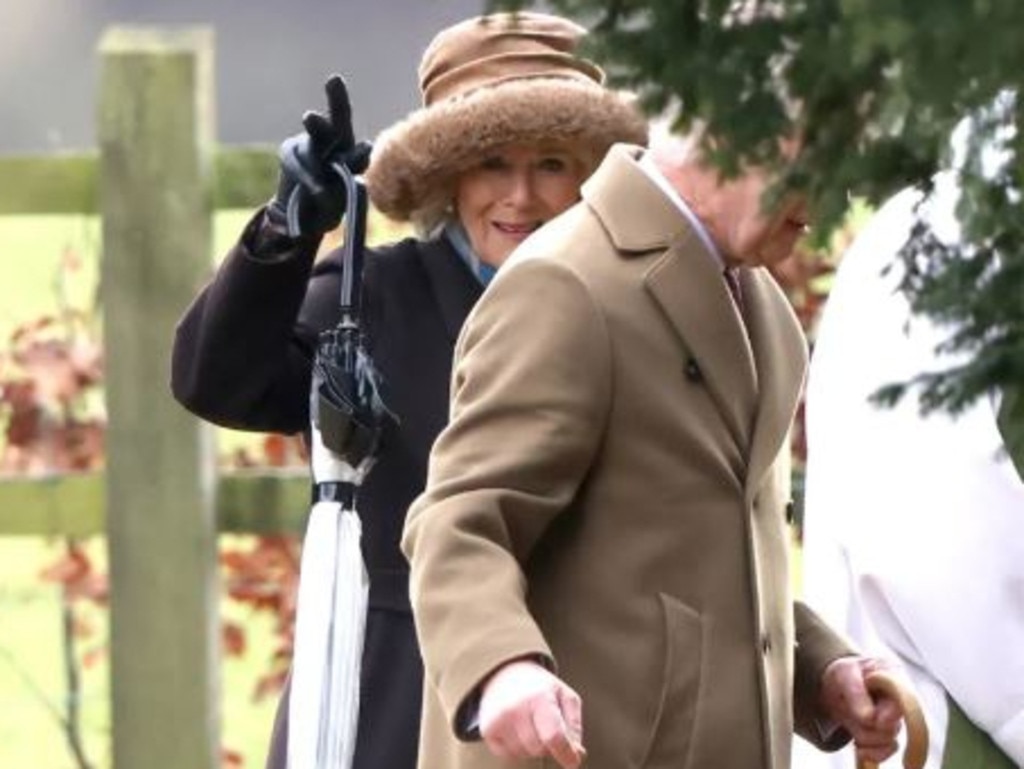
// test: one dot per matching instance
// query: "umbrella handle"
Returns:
(352, 248)
(916, 751)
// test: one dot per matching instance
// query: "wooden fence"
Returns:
(155, 181)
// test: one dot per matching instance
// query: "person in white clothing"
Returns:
(914, 524)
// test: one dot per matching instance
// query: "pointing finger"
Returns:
(571, 707)
(555, 736)
(339, 108)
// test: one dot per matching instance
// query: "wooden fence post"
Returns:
(156, 136)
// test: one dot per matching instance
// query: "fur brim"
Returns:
(414, 162)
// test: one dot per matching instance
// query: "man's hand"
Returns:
(874, 723)
(526, 712)
(310, 198)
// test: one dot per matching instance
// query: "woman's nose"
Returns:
(521, 188)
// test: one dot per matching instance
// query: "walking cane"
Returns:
(916, 751)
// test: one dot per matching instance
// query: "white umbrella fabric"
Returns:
(348, 418)
(330, 625)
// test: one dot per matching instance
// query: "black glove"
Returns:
(310, 196)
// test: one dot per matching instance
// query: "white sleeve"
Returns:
(915, 526)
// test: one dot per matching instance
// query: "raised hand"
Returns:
(311, 197)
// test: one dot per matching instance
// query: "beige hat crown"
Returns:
(488, 81)
(494, 49)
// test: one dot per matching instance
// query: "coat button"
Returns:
(790, 511)
(766, 643)
(692, 371)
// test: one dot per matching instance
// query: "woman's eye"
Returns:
(493, 163)
(552, 164)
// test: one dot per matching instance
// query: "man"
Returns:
(599, 562)
(918, 553)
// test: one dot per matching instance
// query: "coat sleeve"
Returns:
(817, 645)
(242, 356)
(531, 390)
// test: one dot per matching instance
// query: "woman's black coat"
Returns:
(242, 359)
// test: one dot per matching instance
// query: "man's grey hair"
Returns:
(683, 145)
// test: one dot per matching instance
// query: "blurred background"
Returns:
(270, 62)
(269, 66)
(271, 59)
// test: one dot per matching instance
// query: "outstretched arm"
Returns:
(530, 397)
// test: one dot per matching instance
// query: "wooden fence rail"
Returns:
(68, 183)
(75, 505)
(155, 182)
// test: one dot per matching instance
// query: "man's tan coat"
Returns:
(607, 497)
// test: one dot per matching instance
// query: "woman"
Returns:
(512, 123)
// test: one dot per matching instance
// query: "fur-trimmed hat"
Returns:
(489, 81)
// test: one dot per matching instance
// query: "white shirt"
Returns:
(648, 166)
(914, 525)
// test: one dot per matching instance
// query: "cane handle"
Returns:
(916, 750)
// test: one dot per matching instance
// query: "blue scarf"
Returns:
(457, 236)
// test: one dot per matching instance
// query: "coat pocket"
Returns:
(671, 734)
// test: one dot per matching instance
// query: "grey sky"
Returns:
(271, 60)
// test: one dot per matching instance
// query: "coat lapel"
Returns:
(454, 286)
(685, 282)
(780, 354)
(687, 286)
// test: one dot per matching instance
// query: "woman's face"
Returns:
(511, 192)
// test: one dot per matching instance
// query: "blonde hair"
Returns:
(438, 205)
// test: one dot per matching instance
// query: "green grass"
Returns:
(51, 263)
(48, 263)
(31, 251)
(33, 687)
(32, 683)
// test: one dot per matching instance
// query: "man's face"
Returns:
(750, 230)
(751, 234)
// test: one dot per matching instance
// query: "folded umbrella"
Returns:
(348, 418)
